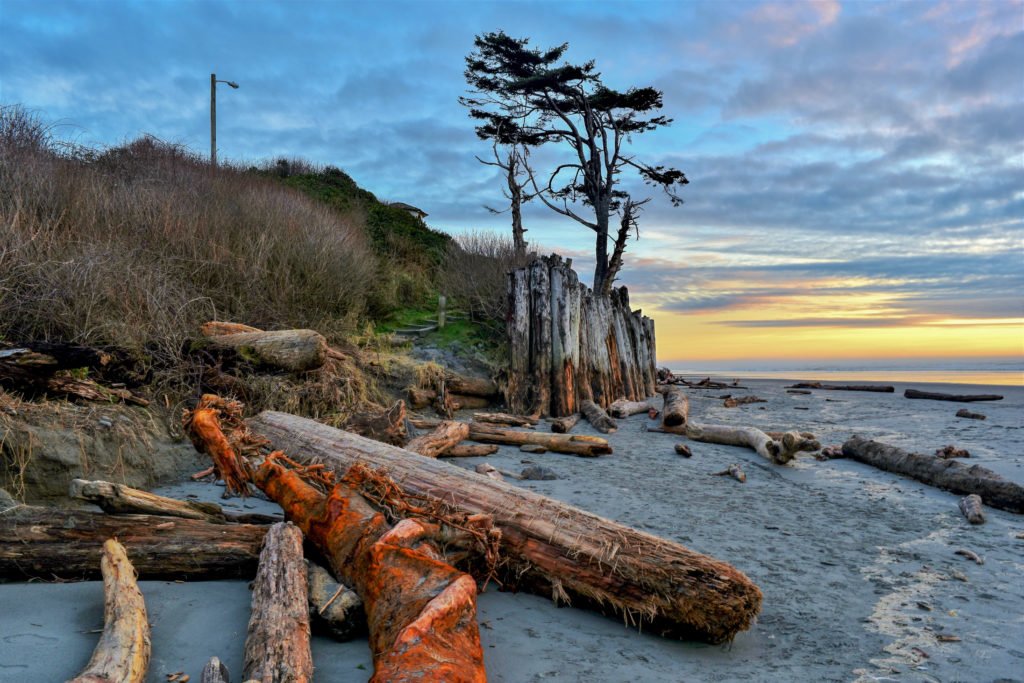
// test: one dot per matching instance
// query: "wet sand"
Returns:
(857, 565)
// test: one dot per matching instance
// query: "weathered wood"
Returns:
(945, 474)
(215, 672)
(277, 648)
(387, 425)
(625, 408)
(553, 548)
(122, 654)
(50, 543)
(951, 451)
(597, 418)
(533, 448)
(564, 425)
(218, 328)
(734, 471)
(971, 508)
(480, 387)
(677, 408)
(517, 391)
(540, 339)
(291, 350)
(421, 398)
(34, 373)
(506, 419)
(742, 401)
(334, 608)
(470, 450)
(963, 412)
(467, 402)
(118, 498)
(449, 433)
(586, 446)
(960, 398)
(798, 391)
(878, 388)
(684, 450)
(779, 451)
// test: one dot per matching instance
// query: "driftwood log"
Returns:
(945, 474)
(564, 425)
(623, 408)
(446, 435)
(218, 328)
(122, 655)
(215, 672)
(470, 386)
(677, 408)
(779, 451)
(963, 412)
(335, 609)
(742, 401)
(597, 418)
(878, 388)
(421, 398)
(582, 445)
(468, 402)
(119, 499)
(277, 648)
(552, 548)
(506, 419)
(290, 350)
(960, 398)
(734, 471)
(971, 508)
(50, 543)
(470, 450)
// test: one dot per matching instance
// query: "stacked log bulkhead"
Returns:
(568, 344)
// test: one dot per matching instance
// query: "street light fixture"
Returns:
(213, 116)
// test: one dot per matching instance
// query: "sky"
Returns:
(856, 168)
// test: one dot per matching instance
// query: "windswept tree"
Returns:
(526, 97)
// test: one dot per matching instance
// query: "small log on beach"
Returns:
(49, 543)
(218, 328)
(33, 372)
(470, 386)
(564, 425)
(951, 475)
(742, 401)
(625, 408)
(549, 547)
(447, 434)
(506, 419)
(468, 402)
(118, 499)
(122, 654)
(798, 391)
(470, 450)
(971, 508)
(597, 418)
(677, 408)
(334, 608)
(734, 471)
(963, 412)
(277, 646)
(215, 672)
(779, 451)
(291, 350)
(878, 388)
(582, 445)
(961, 398)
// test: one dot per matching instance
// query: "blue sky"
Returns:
(853, 165)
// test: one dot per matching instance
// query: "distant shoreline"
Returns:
(1001, 378)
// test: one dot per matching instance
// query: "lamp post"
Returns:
(213, 116)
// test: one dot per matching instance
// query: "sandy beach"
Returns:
(857, 565)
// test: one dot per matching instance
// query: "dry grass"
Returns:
(475, 270)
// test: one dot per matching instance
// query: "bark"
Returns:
(449, 433)
(970, 506)
(49, 543)
(387, 426)
(884, 389)
(335, 608)
(122, 655)
(469, 450)
(540, 338)
(552, 548)
(734, 471)
(564, 425)
(506, 419)
(951, 475)
(624, 408)
(677, 408)
(291, 350)
(598, 419)
(585, 446)
(742, 401)
(960, 398)
(421, 398)
(779, 451)
(217, 328)
(215, 672)
(277, 646)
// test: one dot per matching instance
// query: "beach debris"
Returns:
(334, 608)
(277, 648)
(952, 452)
(489, 471)
(55, 369)
(52, 543)
(652, 413)
(598, 418)
(624, 408)
(564, 425)
(948, 474)
(829, 453)
(538, 473)
(676, 410)
(432, 444)
(961, 398)
(122, 653)
(924, 605)
(970, 555)
(744, 400)
(684, 450)
(533, 448)
(419, 398)
(734, 471)
(1020, 536)
(798, 391)
(469, 450)
(970, 506)
(121, 499)
(963, 412)
(381, 425)
(958, 575)
(878, 388)
(947, 638)
(506, 419)
(808, 441)
(779, 451)
(591, 560)
(290, 350)
(582, 445)
(214, 672)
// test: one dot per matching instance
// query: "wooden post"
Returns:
(442, 302)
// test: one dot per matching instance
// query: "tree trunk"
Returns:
(623, 408)
(598, 419)
(552, 548)
(291, 350)
(971, 507)
(515, 195)
(564, 425)
(215, 672)
(122, 655)
(778, 451)
(960, 398)
(474, 450)
(951, 475)
(586, 446)
(506, 419)
(677, 408)
(335, 608)
(49, 543)
(449, 433)
(601, 211)
(277, 646)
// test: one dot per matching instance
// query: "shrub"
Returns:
(476, 267)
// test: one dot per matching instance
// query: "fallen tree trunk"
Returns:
(597, 418)
(677, 407)
(291, 350)
(945, 474)
(971, 508)
(564, 425)
(960, 398)
(552, 548)
(470, 450)
(122, 655)
(49, 543)
(506, 419)
(586, 446)
(277, 648)
(449, 433)
(624, 408)
(779, 451)
(879, 388)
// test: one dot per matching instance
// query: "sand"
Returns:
(857, 566)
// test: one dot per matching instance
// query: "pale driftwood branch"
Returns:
(586, 446)
(779, 451)
(625, 408)
(446, 435)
